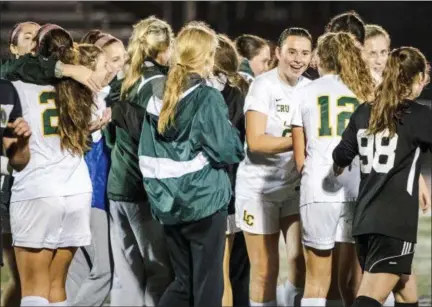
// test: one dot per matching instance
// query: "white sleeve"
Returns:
(298, 104)
(259, 96)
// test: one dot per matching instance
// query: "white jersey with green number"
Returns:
(270, 176)
(323, 108)
(50, 171)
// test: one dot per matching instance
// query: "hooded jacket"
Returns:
(184, 169)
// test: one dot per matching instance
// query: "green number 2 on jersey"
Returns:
(49, 115)
(325, 127)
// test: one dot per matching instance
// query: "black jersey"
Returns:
(235, 100)
(10, 108)
(388, 201)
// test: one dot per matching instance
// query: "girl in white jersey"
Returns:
(267, 198)
(20, 40)
(323, 109)
(51, 197)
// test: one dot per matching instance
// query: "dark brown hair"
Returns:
(249, 46)
(73, 100)
(403, 68)
(227, 62)
(16, 30)
(350, 22)
(294, 31)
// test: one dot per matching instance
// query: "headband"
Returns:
(18, 28)
(105, 39)
(46, 29)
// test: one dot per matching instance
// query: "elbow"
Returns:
(253, 145)
(19, 164)
(19, 161)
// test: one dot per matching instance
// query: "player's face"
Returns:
(103, 71)
(260, 62)
(294, 56)
(375, 53)
(115, 56)
(25, 42)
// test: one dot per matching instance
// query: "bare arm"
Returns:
(299, 145)
(17, 149)
(259, 141)
(425, 197)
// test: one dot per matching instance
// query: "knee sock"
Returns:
(365, 301)
(309, 302)
(390, 301)
(406, 304)
(64, 303)
(267, 304)
(33, 301)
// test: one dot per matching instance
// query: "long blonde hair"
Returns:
(194, 52)
(339, 53)
(150, 36)
(403, 69)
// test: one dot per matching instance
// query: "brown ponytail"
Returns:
(339, 53)
(403, 69)
(227, 62)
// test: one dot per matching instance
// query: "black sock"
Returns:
(406, 304)
(365, 301)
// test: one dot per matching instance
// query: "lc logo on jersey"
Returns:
(248, 218)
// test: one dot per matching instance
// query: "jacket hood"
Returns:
(183, 112)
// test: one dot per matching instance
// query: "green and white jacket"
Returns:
(184, 169)
(246, 71)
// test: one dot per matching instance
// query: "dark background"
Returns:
(408, 23)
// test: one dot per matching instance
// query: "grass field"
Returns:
(422, 262)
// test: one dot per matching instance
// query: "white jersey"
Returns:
(50, 171)
(99, 109)
(323, 109)
(270, 176)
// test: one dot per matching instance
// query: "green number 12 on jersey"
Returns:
(49, 115)
(326, 128)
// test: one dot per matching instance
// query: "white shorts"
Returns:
(323, 224)
(52, 222)
(263, 217)
(232, 225)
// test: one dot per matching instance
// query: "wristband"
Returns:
(58, 70)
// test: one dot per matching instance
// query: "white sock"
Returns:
(281, 295)
(64, 303)
(34, 301)
(334, 303)
(268, 304)
(291, 293)
(309, 302)
(390, 301)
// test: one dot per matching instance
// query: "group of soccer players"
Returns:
(164, 173)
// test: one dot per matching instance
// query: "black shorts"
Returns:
(383, 254)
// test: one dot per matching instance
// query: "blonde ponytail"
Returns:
(150, 37)
(174, 87)
(193, 52)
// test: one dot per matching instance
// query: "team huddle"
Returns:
(165, 173)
